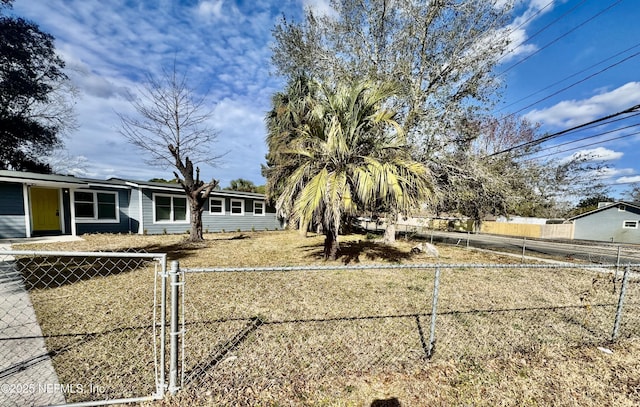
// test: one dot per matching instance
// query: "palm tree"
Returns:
(350, 155)
(290, 111)
(243, 185)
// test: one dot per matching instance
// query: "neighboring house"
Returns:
(616, 222)
(40, 204)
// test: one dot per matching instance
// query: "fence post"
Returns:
(623, 290)
(615, 274)
(174, 275)
(524, 244)
(163, 326)
(434, 306)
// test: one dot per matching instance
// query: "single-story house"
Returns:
(617, 222)
(34, 204)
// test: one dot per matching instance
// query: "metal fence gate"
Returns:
(81, 328)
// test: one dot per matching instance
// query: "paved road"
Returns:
(596, 253)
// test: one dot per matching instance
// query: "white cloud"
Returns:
(210, 9)
(570, 113)
(241, 128)
(516, 32)
(319, 7)
(110, 46)
(594, 154)
(598, 153)
(628, 180)
(609, 172)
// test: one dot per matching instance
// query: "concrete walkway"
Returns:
(5, 244)
(27, 376)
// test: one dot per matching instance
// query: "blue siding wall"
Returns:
(134, 210)
(123, 226)
(154, 228)
(12, 216)
(12, 219)
(606, 226)
(12, 226)
(210, 223)
(246, 222)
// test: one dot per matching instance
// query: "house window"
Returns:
(622, 208)
(630, 224)
(216, 206)
(96, 206)
(170, 208)
(258, 208)
(237, 207)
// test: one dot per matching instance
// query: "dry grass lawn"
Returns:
(504, 336)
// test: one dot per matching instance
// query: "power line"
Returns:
(622, 183)
(576, 83)
(587, 145)
(571, 76)
(581, 139)
(538, 32)
(608, 121)
(563, 132)
(560, 37)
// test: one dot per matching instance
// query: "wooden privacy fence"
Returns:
(555, 231)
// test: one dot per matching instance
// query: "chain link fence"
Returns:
(89, 328)
(80, 327)
(314, 335)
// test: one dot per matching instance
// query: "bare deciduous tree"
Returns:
(171, 126)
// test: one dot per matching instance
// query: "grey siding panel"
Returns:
(152, 228)
(606, 226)
(123, 226)
(11, 199)
(243, 223)
(212, 223)
(134, 210)
(246, 222)
(12, 226)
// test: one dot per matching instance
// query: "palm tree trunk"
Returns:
(303, 228)
(390, 231)
(331, 245)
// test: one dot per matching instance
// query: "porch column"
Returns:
(27, 210)
(72, 209)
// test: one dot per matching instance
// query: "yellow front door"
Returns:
(45, 209)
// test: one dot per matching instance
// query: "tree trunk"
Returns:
(196, 224)
(303, 228)
(390, 231)
(331, 245)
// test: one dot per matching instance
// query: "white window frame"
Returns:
(95, 219)
(172, 220)
(624, 224)
(622, 208)
(241, 207)
(264, 207)
(221, 200)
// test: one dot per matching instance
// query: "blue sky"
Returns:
(110, 45)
